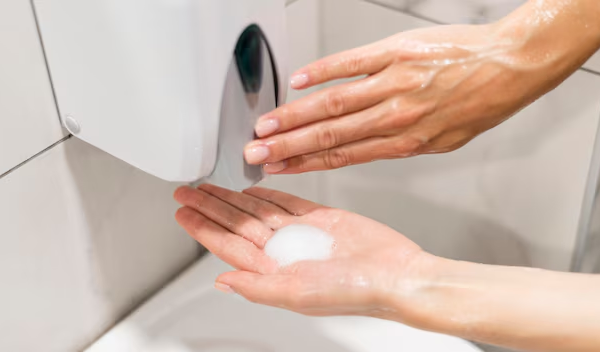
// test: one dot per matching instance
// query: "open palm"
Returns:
(369, 261)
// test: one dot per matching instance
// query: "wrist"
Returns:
(440, 295)
(552, 37)
(411, 295)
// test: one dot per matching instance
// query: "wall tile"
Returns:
(84, 238)
(455, 11)
(28, 119)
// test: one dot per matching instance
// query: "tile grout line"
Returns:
(20, 165)
(409, 13)
(44, 54)
(590, 203)
(202, 253)
(34, 156)
(590, 71)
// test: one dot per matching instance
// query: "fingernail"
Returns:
(299, 80)
(275, 167)
(224, 288)
(266, 127)
(257, 154)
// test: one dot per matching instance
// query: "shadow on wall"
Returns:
(520, 138)
(134, 245)
(591, 263)
(442, 231)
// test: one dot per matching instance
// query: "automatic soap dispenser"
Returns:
(172, 87)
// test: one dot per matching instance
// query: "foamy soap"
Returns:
(296, 243)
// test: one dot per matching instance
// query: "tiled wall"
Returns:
(29, 121)
(84, 238)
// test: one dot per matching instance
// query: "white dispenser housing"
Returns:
(158, 83)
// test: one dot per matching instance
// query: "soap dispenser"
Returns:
(172, 87)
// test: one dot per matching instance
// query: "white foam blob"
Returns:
(296, 243)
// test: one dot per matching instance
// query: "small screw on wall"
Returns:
(72, 125)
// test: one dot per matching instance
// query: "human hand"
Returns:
(426, 91)
(370, 260)
(375, 271)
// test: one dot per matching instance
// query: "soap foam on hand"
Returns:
(296, 243)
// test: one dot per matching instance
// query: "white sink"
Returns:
(189, 316)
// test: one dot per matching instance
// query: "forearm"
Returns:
(557, 36)
(522, 308)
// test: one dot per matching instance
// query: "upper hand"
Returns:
(424, 91)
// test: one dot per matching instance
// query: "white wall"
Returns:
(84, 238)
(29, 121)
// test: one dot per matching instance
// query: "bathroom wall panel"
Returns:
(455, 11)
(28, 119)
(84, 238)
(513, 196)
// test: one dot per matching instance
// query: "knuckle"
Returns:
(410, 145)
(396, 106)
(335, 104)
(198, 198)
(402, 114)
(355, 64)
(449, 142)
(337, 158)
(288, 115)
(326, 138)
(250, 297)
(280, 149)
(301, 163)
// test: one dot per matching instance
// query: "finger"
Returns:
(365, 60)
(279, 291)
(230, 248)
(330, 102)
(292, 204)
(361, 152)
(272, 215)
(380, 120)
(225, 215)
